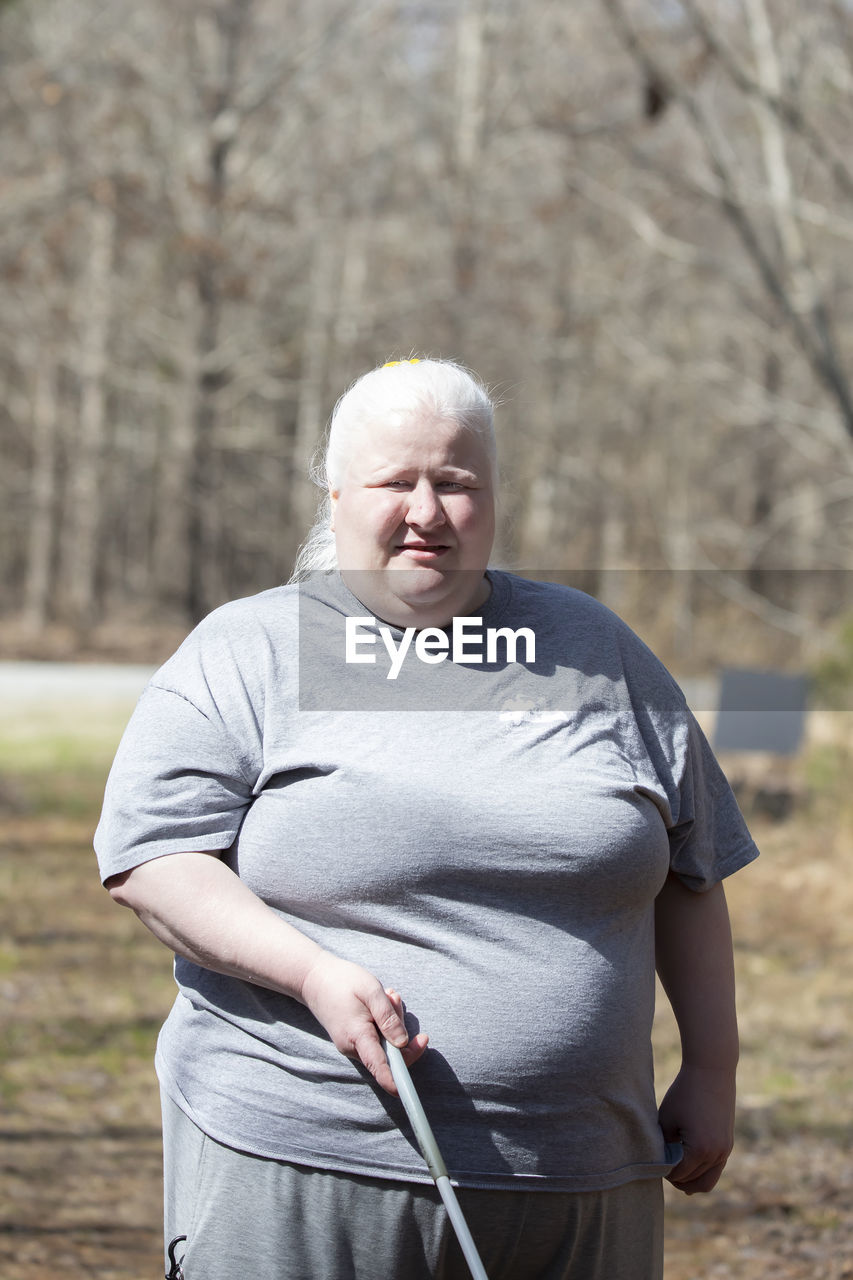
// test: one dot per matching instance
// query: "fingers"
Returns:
(415, 1048)
(370, 1047)
(370, 1051)
(387, 1010)
(416, 1045)
(693, 1178)
(698, 1111)
(397, 1001)
(360, 1015)
(699, 1170)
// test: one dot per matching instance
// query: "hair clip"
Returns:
(392, 363)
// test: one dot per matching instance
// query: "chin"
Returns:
(420, 585)
(419, 596)
(436, 596)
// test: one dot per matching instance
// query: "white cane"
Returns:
(432, 1156)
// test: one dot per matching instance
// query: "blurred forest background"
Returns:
(632, 217)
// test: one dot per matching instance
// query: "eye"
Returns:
(451, 486)
(396, 484)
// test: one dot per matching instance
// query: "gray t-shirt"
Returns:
(490, 843)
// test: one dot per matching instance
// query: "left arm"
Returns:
(693, 945)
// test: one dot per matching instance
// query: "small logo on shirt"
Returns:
(519, 711)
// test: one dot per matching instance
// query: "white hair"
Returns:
(432, 389)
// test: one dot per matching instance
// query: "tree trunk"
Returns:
(43, 506)
(86, 455)
(324, 292)
(205, 581)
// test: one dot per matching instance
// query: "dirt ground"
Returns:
(83, 990)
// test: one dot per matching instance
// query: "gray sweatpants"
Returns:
(245, 1216)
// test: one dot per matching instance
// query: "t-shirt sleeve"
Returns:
(710, 838)
(179, 783)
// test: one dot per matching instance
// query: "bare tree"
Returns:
(633, 220)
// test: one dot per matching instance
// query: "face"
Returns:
(414, 520)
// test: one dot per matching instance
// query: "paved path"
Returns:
(70, 682)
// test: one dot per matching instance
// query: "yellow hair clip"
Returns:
(392, 363)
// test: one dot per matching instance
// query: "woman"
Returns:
(323, 807)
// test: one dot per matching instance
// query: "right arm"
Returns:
(201, 910)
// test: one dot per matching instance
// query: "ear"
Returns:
(333, 498)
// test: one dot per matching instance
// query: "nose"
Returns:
(425, 509)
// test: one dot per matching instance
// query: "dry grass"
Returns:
(784, 1208)
(84, 989)
(83, 994)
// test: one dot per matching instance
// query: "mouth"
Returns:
(423, 551)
